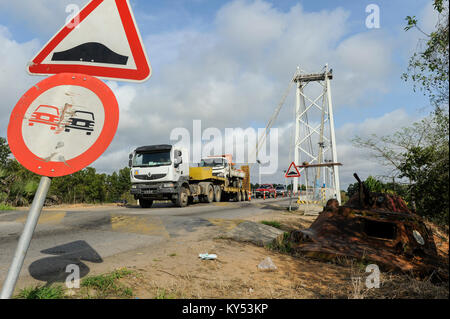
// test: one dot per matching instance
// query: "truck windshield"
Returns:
(211, 162)
(152, 159)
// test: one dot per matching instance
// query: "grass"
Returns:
(107, 285)
(101, 286)
(271, 223)
(283, 245)
(164, 294)
(4, 206)
(172, 255)
(41, 292)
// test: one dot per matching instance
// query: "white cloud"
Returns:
(45, 15)
(359, 160)
(14, 81)
(232, 75)
(249, 26)
(428, 18)
(363, 64)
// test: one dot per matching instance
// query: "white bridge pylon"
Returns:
(314, 141)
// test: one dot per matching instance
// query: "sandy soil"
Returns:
(176, 271)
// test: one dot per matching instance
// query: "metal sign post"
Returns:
(25, 238)
(65, 122)
(46, 137)
(292, 190)
(291, 172)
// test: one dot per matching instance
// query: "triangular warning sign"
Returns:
(102, 40)
(292, 171)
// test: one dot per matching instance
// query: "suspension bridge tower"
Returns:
(314, 142)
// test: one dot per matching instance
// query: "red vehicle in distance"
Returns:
(45, 114)
(268, 189)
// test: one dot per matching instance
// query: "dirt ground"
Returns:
(174, 270)
(178, 272)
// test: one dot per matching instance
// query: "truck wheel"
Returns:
(145, 203)
(209, 197)
(238, 196)
(183, 197)
(217, 193)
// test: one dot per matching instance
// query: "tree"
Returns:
(4, 151)
(391, 150)
(420, 153)
(371, 183)
(428, 68)
(18, 185)
(376, 185)
(428, 170)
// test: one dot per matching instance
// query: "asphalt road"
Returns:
(87, 237)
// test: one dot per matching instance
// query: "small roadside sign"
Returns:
(292, 171)
(102, 40)
(63, 124)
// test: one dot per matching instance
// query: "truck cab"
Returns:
(219, 166)
(158, 172)
(222, 166)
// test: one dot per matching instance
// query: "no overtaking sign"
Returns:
(62, 124)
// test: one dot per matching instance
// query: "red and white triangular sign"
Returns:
(102, 40)
(292, 171)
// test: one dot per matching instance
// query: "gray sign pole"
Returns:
(292, 190)
(25, 238)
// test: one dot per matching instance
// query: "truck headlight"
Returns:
(168, 185)
(133, 186)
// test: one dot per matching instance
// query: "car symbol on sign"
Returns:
(45, 114)
(81, 120)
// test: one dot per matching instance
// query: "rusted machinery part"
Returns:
(383, 231)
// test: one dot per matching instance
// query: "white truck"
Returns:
(222, 166)
(162, 172)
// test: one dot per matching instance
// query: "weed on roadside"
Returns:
(41, 292)
(164, 294)
(106, 285)
(4, 206)
(282, 245)
(271, 223)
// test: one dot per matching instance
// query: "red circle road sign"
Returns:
(63, 124)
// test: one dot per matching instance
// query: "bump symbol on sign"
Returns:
(102, 40)
(292, 171)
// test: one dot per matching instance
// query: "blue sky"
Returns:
(228, 62)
